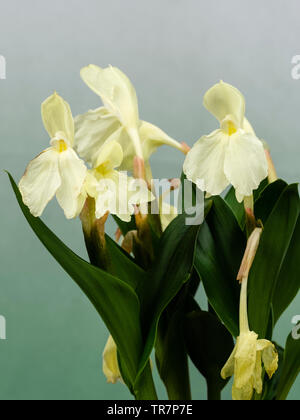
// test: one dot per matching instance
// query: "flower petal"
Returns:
(110, 362)
(245, 163)
(242, 394)
(73, 172)
(269, 356)
(205, 162)
(245, 360)
(228, 369)
(40, 181)
(57, 117)
(92, 130)
(110, 155)
(116, 91)
(224, 100)
(153, 137)
(258, 383)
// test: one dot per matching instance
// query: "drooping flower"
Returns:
(57, 170)
(230, 155)
(117, 121)
(245, 362)
(110, 362)
(114, 192)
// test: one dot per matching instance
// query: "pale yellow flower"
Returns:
(117, 121)
(58, 170)
(230, 155)
(110, 362)
(114, 192)
(245, 362)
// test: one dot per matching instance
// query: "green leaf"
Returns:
(209, 346)
(115, 301)
(171, 354)
(220, 249)
(267, 200)
(288, 283)
(171, 269)
(271, 385)
(125, 227)
(274, 244)
(236, 207)
(123, 266)
(291, 366)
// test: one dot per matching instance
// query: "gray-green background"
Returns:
(173, 50)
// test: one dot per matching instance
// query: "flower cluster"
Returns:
(99, 164)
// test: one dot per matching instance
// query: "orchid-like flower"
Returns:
(114, 192)
(230, 155)
(110, 362)
(58, 170)
(245, 362)
(117, 121)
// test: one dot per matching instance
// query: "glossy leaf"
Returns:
(288, 283)
(123, 266)
(114, 300)
(209, 345)
(220, 248)
(171, 354)
(274, 244)
(236, 207)
(171, 269)
(125, 227)
(291, 366)
(268, 199)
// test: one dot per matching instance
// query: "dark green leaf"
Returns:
(274, 244)
(171, 269)
(288, 282)
(291, 366)
(209, 345)
(123, 266)
(236, 207)
(220, 249)
(114, 300)
(268, 199)
(125, 227)
(171, 354)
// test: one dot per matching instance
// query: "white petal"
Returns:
(138, 191)
(105, 202)
(204, 164)
(40, 181)
(110, 155)
(224, 100)
(73, 172)
(153, 137)
(248, 127)
(57, 117)
(116, 92)
(92, 130)
(245, 163)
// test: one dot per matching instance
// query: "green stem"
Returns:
(213, 393)
(144, 388)
(244, 323)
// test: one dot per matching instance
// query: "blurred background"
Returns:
(173, 51)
